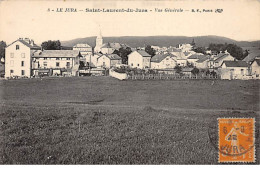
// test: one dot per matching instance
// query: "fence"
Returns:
(167, 77)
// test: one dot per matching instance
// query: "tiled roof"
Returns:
(251, 56)
(112, 56)
(257, 61)
(57, 53)
(235, 64)
(159, 57)
(221, 56)
(114, 45)
(33, 47)
(82, 45)
(204, 58)
(143, 53)
(196, 56)
(173, 49)
(186, 53)
(106, 45)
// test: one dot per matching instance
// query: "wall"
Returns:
(16, 67)
(255, 69)
(103, 60)
(120, 76)
(134, 59)
(233, 73)
(165, 63)
(51, 62)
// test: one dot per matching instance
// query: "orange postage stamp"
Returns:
(236, 140)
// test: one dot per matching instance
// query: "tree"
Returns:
(177, 69)
(233, 49)
(81, 64)
(150, 50)
(200, 50)
(51, 45)
(195, 71)
(2, 49)
(123, 53)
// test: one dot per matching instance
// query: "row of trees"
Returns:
(51, 45)
(233, 49)
(124, 52)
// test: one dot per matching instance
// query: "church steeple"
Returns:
(99, 41)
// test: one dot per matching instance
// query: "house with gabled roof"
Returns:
(18, 57)
(108, 60)
(84, 49)
(234, 70)
(163, 61)
(195, 57)
(252, 56)
(139, 59)
(217, 60)
(255, 68)
(55, 62)
(176, 52)
(203, 62)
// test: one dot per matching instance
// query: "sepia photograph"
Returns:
(133, 82)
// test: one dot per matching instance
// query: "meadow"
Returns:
(101, 120)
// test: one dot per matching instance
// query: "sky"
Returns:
(240, 19)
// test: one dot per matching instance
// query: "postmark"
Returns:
(236, 140)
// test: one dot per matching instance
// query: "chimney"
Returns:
(32, 42)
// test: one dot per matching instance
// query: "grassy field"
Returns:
(100, 120)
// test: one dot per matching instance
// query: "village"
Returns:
(25, 59)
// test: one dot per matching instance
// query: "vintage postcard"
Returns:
(129, 82)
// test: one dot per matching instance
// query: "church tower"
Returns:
(99, 42)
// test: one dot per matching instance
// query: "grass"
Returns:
(100, 120)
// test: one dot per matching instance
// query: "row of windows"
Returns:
(22, 72)
(12, 63)
(133, 64)
(57, 64)
(56, 58)
(22, 55)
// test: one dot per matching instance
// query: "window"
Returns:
(242, 71)
(68, 64)
(132, 64)
(44, 58)
(17, 47)
(68, 58)
(11, 71)
(57, 58)
(22, 72)
(23, 55)
(45, 64)
(11, 55)
(22, 63)
(57, 64)
(137, 64)
(11, 63)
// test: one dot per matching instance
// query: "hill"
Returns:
(138, 41)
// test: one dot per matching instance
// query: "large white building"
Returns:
(84, 49)
(18, 58)
(55, 62)
(163, 61)
(108, 60)
(234, 70)
(139, 59)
